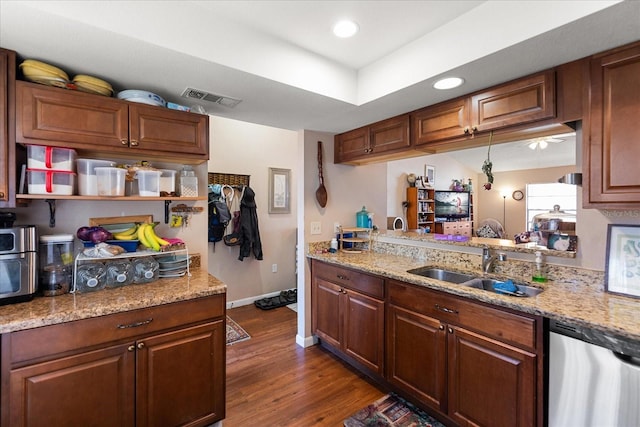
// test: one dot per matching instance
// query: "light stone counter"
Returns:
(44, 311)
(573, 295)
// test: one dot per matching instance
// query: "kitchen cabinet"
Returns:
(162, 365)
(376, 142)
(456, 228)
(7, 132)
(348, 314)
(475, 364)
(611, 133)
(444, 121)
(421, 208)
(106, 126)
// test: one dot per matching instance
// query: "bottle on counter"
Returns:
(539, 273)
(362, 218)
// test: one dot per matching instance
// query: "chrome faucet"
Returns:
(488, 260)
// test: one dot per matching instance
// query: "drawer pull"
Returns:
(445, 309)
(441, 327)
(134, 143)
(136, 324)
(341, 277)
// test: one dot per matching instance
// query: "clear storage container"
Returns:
(56, 255)
(148, 183)
(110, 181)
(91, 277)
(119, 273)
(168, 181)
(53, 158)
(145, 270)
(87, 177)
(188, 182)
(41, 181)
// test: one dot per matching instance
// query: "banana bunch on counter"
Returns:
(145, 233)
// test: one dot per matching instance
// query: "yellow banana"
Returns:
(151, 237)
(142, 237)
(158, 239)
(129, 234)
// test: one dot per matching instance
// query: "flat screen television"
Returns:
(451, 205)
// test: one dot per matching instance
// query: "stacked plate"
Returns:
(173, 265)
(43, 73)
(93, 85)
(143, 97)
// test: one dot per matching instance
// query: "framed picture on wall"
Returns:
(279, 191)
(430, 173)
(622, 267)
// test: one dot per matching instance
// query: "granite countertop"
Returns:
(572, 299)
(42, 311)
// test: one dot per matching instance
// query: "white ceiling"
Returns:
(290, 72)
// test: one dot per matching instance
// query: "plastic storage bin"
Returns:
(168, 181)
(145, 270)
(91, 277)
(87, 177)
(110, 181)
(56, 263)
(148, 183)
(53, 158)
(43, 181)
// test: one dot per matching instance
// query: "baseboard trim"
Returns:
(305, 342)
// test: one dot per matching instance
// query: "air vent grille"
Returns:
(202, 95)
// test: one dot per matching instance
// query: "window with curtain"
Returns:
(542, 197)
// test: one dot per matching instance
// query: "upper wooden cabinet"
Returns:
(611, 145)
(7, 147)
(98, 124)
(378, 141)
(441, 122)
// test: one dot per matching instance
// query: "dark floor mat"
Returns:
(285, 298)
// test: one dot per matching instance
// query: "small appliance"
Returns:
(18, 263)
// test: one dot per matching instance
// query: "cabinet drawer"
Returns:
(43, 342)
(516, 329)
(370, 285)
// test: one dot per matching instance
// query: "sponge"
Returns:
(507, 286)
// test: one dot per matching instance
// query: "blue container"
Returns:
(346, 245)
(362, 218)
(127, 245)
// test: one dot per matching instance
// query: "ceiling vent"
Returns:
(201, 95)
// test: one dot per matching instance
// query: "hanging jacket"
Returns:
(249, 232)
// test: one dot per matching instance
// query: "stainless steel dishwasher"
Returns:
(594, 378)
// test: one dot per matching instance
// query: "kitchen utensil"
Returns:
(321, 192)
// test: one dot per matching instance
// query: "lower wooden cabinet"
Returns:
(171, 373)
(346, 319)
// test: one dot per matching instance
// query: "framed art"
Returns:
(430, 173)
(279, 191)
(622, 266)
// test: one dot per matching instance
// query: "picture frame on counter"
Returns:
(279, 191)
(622, 264)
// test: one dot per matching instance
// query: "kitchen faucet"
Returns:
(488, 260)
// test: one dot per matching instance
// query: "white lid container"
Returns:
(110, 181)
(148, 183)
(168, 180)
(87, 177)
(43, 181)
(52, 158)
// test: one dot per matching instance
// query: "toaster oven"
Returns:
(18, 263)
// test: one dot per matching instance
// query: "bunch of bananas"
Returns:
(145, 233)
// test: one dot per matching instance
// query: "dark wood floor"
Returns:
(273, 382)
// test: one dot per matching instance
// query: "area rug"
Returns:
(391, 410)
(235, 332)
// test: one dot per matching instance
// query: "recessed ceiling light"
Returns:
(448, 83)
(345, 29)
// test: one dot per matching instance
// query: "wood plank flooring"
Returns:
(273, 382)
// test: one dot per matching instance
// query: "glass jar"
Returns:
(119, 273)
(91, 277)
(145, 270)
(188, 182)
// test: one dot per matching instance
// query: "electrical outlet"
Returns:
(274, 268)
(336, 227)
(316, 227)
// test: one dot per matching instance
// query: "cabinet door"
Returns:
(416, 350)
(490, 383)
(443, 121)
(60, 392)
(7, 111)
(363, 335)
(52, 116)
(326, 311)
(158, 129)
(523, 101)
(180, 377)
(351, 145)
(611, 150)
(389, 135)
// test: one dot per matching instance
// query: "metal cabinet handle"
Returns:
(441, 327)
(140, 345)
(136, 324)
(466, 130)
(450, 330)
(341, 277)
(474, 129)
(131, 347)
(124, 142)
(445, 309)
(134, 143)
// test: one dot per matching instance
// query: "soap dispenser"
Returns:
(539, 269)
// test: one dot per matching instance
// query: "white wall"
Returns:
(249, 149)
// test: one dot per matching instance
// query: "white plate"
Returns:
(172, 259)
(172, 268)
(163, 275)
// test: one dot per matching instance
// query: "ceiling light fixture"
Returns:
(448, 83)
(345, 29)
(542, 144)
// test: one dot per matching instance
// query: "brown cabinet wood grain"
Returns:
(98, 124)
(444, 121)
(347, 319)
(611, 149)
(105, 372)
(7, 130)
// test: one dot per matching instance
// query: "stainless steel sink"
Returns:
(441, 274)
(488, 285)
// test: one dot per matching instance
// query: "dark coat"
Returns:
(249, 232)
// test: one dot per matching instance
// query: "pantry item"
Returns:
(119, 273)
(91, 277)
(168, 181)
(110, 181)
(188, 182)
(47, 181)
(54, 158)
(143, 97)
(148, 183)
(145, 270)
(93, 85)
(56, 263)
(87, 177)
(321, 192)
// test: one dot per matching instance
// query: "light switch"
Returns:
(316, 227)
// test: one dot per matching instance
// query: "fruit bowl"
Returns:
(127, 245)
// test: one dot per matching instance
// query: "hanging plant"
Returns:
(487, 165)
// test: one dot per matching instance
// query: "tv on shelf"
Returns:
(451, 205)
